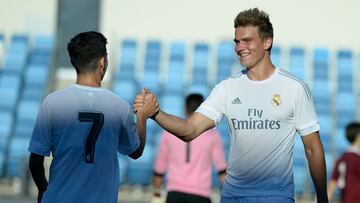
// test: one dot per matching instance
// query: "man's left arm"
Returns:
(36, 166)
(315, 155)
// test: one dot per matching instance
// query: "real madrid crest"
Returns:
(276, 100)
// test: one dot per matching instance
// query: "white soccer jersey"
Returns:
(263, 117)
(84, 128)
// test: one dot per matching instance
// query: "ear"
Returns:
(267, 43)
(102, 63)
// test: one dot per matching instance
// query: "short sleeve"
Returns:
(306, 121)
(40, 142)
(129, 139)
(214, 106)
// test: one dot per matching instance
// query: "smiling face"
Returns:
(249, 47)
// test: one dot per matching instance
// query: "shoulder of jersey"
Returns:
(298, 83)
(237, 75)
(291, 77)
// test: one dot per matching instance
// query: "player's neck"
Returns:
(88, 80)
(260, 72)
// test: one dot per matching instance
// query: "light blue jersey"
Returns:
(84, 128)
(263, 117)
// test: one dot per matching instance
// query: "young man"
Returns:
(264, 107)
(346, 174)
(84, 127)
(189, 165)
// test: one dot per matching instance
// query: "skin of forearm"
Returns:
(141, 126)
(176, 126)
(317, 168)
(331, 189)
(157, 181)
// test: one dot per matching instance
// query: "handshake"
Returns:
(146, 104)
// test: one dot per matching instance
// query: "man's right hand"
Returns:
(146, 104)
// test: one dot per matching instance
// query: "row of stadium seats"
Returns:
(23, 83)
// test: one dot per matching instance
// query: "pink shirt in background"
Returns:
(193, 174)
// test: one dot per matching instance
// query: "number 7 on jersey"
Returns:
(97, 120)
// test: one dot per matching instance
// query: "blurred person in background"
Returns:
(188, 166)
(265, 106)
(346, 173)
(84, 127)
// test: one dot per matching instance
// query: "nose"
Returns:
(239, 46)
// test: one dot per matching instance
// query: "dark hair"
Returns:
(257, 18)
(352, 131)
(85, 50)
(193, 101)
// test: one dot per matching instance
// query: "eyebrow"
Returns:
(243, 39)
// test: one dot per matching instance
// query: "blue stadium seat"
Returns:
(36, 76)
(175, 70)
(297, 62)
(300, 176)
(151, 74)
(33, 94)
(326, 124)
(27, 110)
(321, 96)
(200, 64)
(44, 42)
(141, 170)
(198, 88)
(18, 158)
(152, 55)
(225, 60)
(177, 51)
(15, 63)
(276, 56)
(329, 159)
(151, 80)
(9, 91)
(127, 60)
(175, 77)
(126, 89)
(342, 144)
(299, 165)
(10, 81)
(345, 108)
(6, 125)
(9, 98)
(345, 71)
(16, 54)
(321, 64)
(326, 130)
(173, 104)
(299, 159)
(25, 118)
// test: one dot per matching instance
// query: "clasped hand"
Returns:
(146, 103)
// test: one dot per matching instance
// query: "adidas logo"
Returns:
(236, 101)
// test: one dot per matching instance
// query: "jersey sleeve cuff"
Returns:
(310, 128)
(210, 113)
